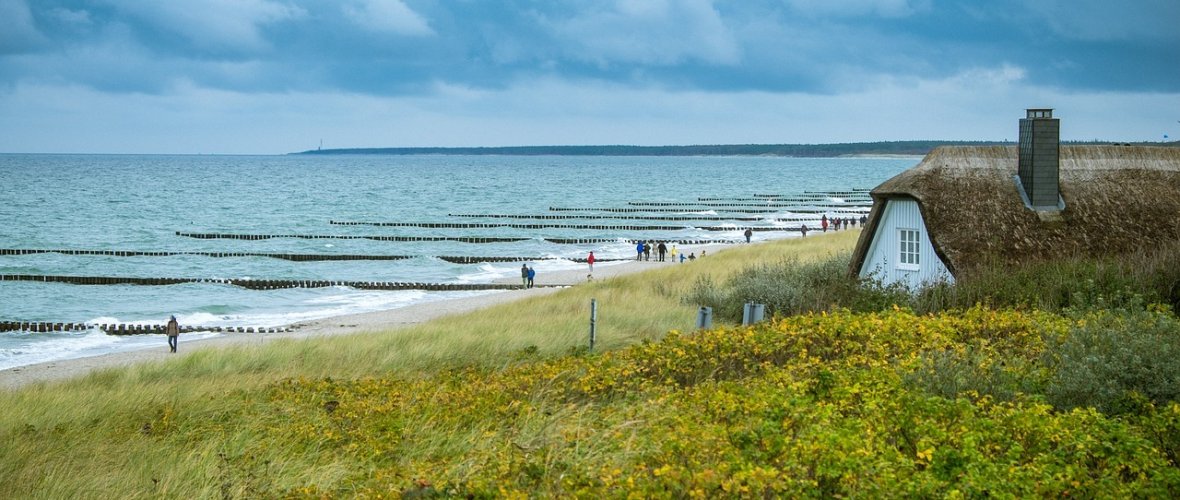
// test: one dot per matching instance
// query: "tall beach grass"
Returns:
(69, 439)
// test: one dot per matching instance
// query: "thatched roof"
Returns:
(1118, 199)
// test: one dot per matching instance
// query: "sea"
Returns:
(154, 203)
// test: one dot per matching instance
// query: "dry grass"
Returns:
(67, 439)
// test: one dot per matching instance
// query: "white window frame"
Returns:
(909, 249)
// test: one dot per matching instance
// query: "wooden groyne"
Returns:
(847, 192)
(797, 199)
(711, 205)
(124, 329)
(481, 260)
(551, 240)
(480, 225)
(854, 192)
(462, 239)
(594, 217)
(682, 210)
(578, 241)
(461, 259)
(592, 227)
(256, 284)
(137, 253)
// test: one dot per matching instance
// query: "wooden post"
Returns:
(593, 321)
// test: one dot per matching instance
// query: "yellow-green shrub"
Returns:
(809, 406)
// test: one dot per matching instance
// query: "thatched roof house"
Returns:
(968, 208)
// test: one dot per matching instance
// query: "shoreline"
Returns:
(53, 371)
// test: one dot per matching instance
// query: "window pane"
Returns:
(908, 247)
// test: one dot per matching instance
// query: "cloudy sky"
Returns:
(276, 76)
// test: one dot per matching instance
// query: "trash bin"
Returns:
(753, 313)
(705, 318)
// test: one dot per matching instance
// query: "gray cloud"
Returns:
(573, 71)
(390, 47)
(17, 32)
(658, 33)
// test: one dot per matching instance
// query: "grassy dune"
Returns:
(170, 428)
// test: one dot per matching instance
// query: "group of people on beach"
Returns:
(838, 222)
(527, 275)
(644, 249)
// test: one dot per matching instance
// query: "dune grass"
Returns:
(70, 438)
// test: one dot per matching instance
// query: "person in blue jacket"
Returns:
(532, 274)
(639, 251)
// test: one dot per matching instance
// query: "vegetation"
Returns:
(789, 286)
(977, 401)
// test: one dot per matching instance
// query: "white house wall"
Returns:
(883, 254)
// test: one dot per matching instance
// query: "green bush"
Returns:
(790, 287)
(1080, 283)
(951, 374)
(1117, 362)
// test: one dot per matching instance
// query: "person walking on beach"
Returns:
(662, 249)
(590, 260)
(531, 274)
(524, 275)
(639, 251)
(674, 252)
(803, 229)
(173, 331)
(647, 251)
(823, 222)
(748, 234)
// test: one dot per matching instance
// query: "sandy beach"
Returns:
(340, 325)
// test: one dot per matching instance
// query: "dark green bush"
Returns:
(951, 374)
(1117, 362)
(789, 287)
(1078, 284)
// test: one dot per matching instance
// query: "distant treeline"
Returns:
(797, 150)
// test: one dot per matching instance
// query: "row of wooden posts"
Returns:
(636, 217)
(855, 198)
(137, 253)
(454, 259)
(259, 284)
(124, 329)
(461, 239)
(561, 241)
(476, 225)
(768, 204)
(682, 210)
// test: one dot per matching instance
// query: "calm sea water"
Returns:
(113, 202)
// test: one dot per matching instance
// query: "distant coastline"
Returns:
(858, 149)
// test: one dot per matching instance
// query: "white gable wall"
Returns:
(885, 260)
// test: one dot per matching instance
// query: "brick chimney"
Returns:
(1038, 160)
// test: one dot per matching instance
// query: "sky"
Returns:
(278, 76)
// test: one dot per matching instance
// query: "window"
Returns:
(908, 257)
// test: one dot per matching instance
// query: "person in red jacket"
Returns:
(590, 260)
